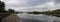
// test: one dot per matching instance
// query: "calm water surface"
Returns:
(37, 18)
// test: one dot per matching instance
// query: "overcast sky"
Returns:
(32, 5)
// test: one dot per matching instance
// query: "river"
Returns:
(24, 17)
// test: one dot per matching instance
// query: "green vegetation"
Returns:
(11, 11)
(2, 7)
(53, 13)
(34, 12)
(3, 12)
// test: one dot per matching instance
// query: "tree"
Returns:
(11, 11)
(34, 12)
(2, 7)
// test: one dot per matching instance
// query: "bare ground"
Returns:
(10, 18)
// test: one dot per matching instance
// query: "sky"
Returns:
(32, 5)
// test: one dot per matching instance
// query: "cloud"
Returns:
(26, 3)
(57, 1)
(37, 2)
(31, 4)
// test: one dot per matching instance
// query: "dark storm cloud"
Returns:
(38, 2)
(57, 1)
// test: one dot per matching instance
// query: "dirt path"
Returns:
(10, 18)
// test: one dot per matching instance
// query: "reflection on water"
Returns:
(37, 18)
(31, 20)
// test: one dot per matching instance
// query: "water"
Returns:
(37, 18)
